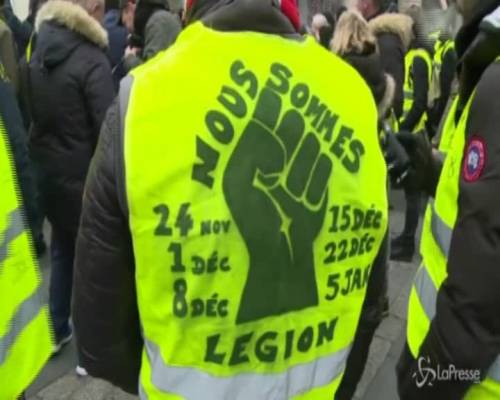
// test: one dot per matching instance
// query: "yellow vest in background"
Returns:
(408, 86)
(257, 199)
(449, 128)
(440, 49)
(25, 332)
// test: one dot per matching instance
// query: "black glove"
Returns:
(396, 157)
(425, 169)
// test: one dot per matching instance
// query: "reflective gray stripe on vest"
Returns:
(124, 97)
(441, 232)
(27, 312)
(193, 384)
(142, 392)
(124, 100)
(427, 294)
(426, 291)
(15, 227)
(494, 371)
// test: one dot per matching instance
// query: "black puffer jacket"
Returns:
(382, 85)
(394, 35)
(70, 88)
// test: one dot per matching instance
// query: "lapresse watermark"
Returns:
(427, 375)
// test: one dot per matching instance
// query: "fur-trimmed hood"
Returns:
(73, 17)
(397, 24)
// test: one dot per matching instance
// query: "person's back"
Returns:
(417, 83)
(393, 32)
(70, 88)
(445, 66)
(256, 205)
(355, 43)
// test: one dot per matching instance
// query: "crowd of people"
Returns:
(217, 185)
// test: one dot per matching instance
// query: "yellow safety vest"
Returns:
(439, 222)
(449, 128)
(440, 49)
(408, 86)
(25, 332)
(257, 201)
(29, 49)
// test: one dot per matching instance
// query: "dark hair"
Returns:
(143, 11)
(34, 6)
(330, 18)
(326, 35)
(341, 10)
(112, 5)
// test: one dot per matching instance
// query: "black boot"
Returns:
(40, 247)
(403, 248)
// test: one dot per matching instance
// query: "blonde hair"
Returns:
(352, 35)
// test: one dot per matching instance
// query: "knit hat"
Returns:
(288, 7)
(291, 10)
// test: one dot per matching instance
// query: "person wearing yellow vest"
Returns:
(25, 331)
(355, 43)
(418, 66)
(445, 65)
(453, 332)
(418, 73)
(235, 206)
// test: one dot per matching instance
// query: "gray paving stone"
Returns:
(117, 394)
(63, 388)
(379, 350)
(71, 387)
(390, 329)
(400, 307)
(384, 385)
(95, 389)
(400, 279)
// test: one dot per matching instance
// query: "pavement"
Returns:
(58, 380)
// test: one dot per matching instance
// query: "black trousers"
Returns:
(412, 215)
(371, 316)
